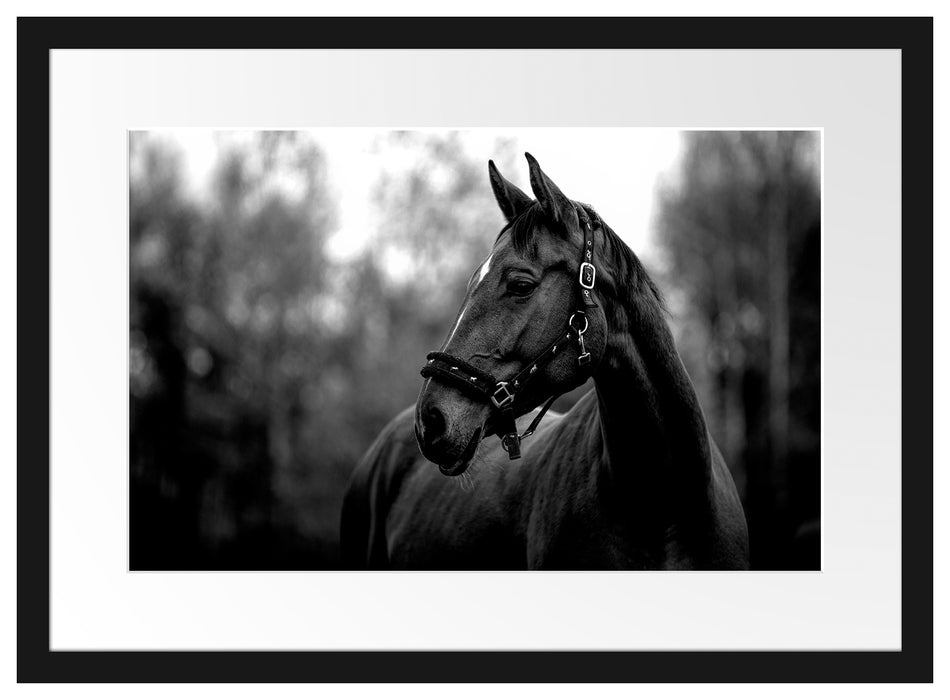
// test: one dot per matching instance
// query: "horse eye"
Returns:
(520, 288)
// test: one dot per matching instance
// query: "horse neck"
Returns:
(654, 432)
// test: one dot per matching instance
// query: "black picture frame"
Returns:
(913, 37)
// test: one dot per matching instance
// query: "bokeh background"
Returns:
(286, 286)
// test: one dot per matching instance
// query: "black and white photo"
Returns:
(619, 343)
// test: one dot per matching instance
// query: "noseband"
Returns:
(500, 395)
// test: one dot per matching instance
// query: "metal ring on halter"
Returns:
(570, 322)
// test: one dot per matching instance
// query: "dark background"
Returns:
(262, 366)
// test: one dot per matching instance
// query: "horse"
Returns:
(628, 478)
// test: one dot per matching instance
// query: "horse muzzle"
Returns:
(461, 464)
(441, 438)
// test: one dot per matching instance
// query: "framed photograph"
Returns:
(480, 349)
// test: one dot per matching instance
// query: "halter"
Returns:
(500, 394)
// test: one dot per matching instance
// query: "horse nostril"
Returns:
(433, 424)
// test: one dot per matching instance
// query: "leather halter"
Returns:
(501, 394)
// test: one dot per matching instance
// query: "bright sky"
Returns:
(613, 169)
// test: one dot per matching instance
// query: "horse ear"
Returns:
(511, 200)
(556, 206)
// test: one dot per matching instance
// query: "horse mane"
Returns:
(627, 267)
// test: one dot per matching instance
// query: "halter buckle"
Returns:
(588, 274)
(506, 396)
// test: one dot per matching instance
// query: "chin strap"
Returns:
(511, 441)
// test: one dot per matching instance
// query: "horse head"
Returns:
(528, 316)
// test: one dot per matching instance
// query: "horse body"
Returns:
(629, 478)
(556, 508)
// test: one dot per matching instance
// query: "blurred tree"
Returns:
(224, 341)
(437, 221)
(740, 227)
(260, 368)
